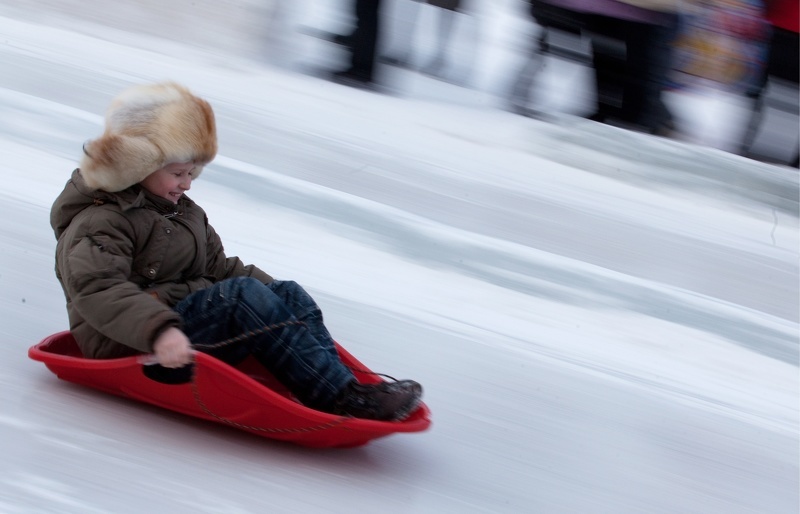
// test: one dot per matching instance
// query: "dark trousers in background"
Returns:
(364, 40)
(783, 62)
(784, 55)
(630, 61)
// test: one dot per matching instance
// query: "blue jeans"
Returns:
(301, 355)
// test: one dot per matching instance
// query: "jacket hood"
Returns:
(77, 196)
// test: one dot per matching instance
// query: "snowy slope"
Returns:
(603, 321)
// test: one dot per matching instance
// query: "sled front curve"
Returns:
(245, 397)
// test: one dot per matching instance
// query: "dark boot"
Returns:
(384, 401)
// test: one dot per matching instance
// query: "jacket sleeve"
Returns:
(95, 271)
(221, 267)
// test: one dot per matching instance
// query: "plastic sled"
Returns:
(246, 396)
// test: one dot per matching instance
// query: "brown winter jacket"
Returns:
(124, 259)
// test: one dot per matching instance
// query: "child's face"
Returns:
(171, 181)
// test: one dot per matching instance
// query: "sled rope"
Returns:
(270, 328)
(242, 337)
(247, 335)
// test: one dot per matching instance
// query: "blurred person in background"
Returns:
(447, 12)
(631, 56)
(723, 44)
(362, 43)
(630, 83)
(784, 45)
(783, 56)
(548, 17)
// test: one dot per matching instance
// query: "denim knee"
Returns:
(255, 300)
(241, 288)
(228, 290)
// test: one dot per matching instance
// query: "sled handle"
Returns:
(170, 376)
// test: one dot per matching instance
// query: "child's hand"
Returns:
(173, 349)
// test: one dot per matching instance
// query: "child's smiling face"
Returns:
(171, 181)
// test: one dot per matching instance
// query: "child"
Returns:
(144, 272)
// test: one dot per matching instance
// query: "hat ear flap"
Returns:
(114, 162)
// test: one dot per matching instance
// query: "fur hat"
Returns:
(147, 128)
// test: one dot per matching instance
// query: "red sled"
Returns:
(246, 396)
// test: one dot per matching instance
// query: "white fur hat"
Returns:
(147, 128)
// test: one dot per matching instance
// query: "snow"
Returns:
(603, 321)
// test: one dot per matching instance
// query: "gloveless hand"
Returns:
(173, 349)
